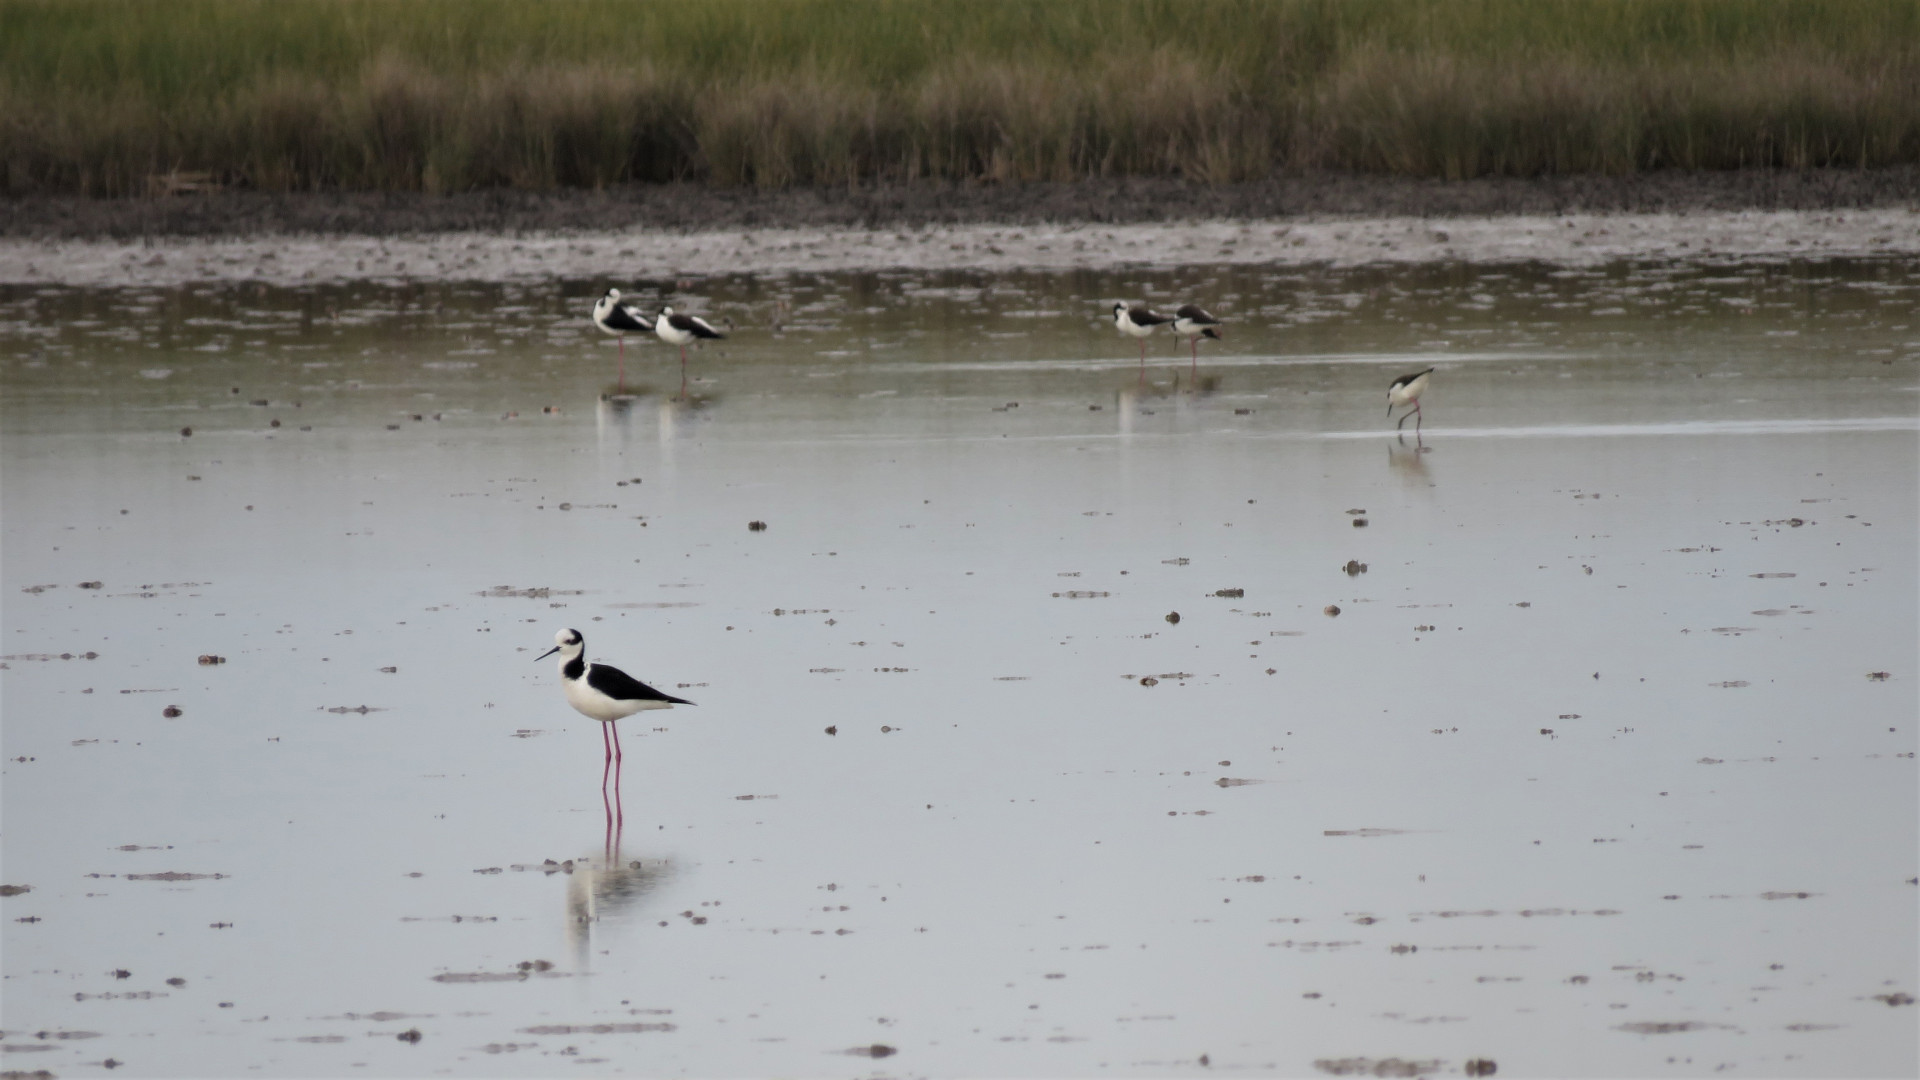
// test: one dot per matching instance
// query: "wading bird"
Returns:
(620, 320)
(603, 693)
(1138, 322)
(1193, 323)
(683, 330)
(1406, 390)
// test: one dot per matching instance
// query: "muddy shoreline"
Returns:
(693, 207)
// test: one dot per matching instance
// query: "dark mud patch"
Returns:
(1371, 1067)
(1106, 201)
(1664, 1027)
(1362, 832)
(637, 1028)
(175, 875)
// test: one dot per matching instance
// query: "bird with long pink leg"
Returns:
(1138, 322)
(1406, 390)
(680, 329)
(619, 319)
(604, 693)
(1193, 323)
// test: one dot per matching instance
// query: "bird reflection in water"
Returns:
(607, 888)
(1409, 461)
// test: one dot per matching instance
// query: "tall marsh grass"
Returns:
(101, 96)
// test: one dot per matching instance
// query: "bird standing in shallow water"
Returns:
(683, 330)
(619, 319)
(1193, 323)
(1138, 322)
(1406, 390)
(603, 693)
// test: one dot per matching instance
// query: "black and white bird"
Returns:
(1193, 323)
(619, 319)
(1406, 390)
(683, 330)
(601, 692)
(1138, 322)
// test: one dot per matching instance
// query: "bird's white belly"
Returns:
(602, 707)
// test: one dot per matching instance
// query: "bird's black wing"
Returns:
(694, 325)
(1194, 313)
(615, 683)
(625, 318)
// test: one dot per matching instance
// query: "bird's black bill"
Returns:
(546, 654)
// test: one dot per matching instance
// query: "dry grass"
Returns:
(98, 96)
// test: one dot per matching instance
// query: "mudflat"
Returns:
(1115, 201)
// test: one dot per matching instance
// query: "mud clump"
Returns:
(1384, 1067)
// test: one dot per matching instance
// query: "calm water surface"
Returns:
(1605, 766)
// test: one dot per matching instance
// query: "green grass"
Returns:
(99, 96)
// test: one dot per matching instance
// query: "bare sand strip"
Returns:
(634, 255)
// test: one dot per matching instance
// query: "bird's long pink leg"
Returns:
(619, 811)
(1143, 363)
(623, 362)
(683, 373)
(1193, 373)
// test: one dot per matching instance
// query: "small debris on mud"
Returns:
(210, 659)
(1895, 998)
(174, 875)
(1148, 680)
(1879, 676)
(633, 1028)
(877, 1050)
(1355, 568)
(1481, 1067)
(833, 729)
(1330, 610)
(1359, 523)
(756, 526)
(170, 712)
(1370, 1067)
(411, 1035)
(1230, 594)
(15, 890)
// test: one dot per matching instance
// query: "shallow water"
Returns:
(1595, 772)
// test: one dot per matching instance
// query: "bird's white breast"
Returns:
(599, 706)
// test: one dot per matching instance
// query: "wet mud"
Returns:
(1605, 766)
(1121, 201)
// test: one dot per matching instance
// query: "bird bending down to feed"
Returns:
(1193, 323)
(619, 319)
(1406, 390)
(1138, 322)
(683, 330)
(603, 693)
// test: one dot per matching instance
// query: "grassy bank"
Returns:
(102, 96)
